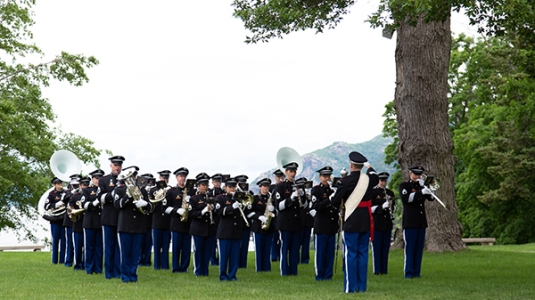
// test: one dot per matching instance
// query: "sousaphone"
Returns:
(64, 163)
(286, 155)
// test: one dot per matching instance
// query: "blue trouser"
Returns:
(202, 248)
(112, 254)
(161, 239)
(305, 245)
(58, 243)
(229, 256)
(414, 239)
(78, 250)
(181, 251)
(69, 254)
(289, 252)
(380, 249)
(129, 243)
(275, 246)
(146, 247)
(324, 260)
(355, 261)
(214, 259)
(93, 250)
(262, 248)
(244, 247)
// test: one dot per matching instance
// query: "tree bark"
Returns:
(421, 103)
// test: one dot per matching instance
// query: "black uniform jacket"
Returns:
(160, 220)
(73, 203)
(327, 216)
(200, 223)
(131, 219)
(106, 185)
(359, 220)
(173, 200)
(258, 208)
(92, 217)
(53, 202)
(230, 225)
(289, 217)
(414, 211)
(382, 218)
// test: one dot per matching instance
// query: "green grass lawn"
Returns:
(482, 272)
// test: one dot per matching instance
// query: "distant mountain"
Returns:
(336, 156)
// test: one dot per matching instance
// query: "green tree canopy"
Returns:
(28, 137)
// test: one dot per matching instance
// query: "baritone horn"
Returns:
(286, 155)
(73, 213)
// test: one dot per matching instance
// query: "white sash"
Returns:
(357, 195)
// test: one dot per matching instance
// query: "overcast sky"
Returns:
(177, 85)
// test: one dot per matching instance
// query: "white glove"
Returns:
(235, 205)
(262, 219)
(271, 208)
(180, 211)
(421, 182)
(187, 198)
(60, 204)
(312, 212)
(426, 191)
(204, 210)
(141, 203)
(294, 195)
(95, 202)
(128, 193)
(385, 205)
(367, 165)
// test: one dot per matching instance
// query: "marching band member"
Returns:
(180, 221)
(110, 215)
(382, 208)
(161, 233)
(308, 222)
(55, 201)
(229, 231)
(214, 192)
(146, 243)
(289, 219)
(276, 243)
(413, 196)
(131, 225)
(77, 228)
(92, 225)
(73, 188)
(203, 227)
(246, 234)
(263, 237)
(355, 191)
(325, 225)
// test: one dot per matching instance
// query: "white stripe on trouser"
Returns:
(120, 250)
(255, 252)
(316, 255)
(404, 252)
(346, 273)
(373, 257)
(280, 261)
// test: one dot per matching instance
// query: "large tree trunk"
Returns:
(421, 103)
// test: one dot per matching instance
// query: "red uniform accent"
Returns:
(368, 204)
